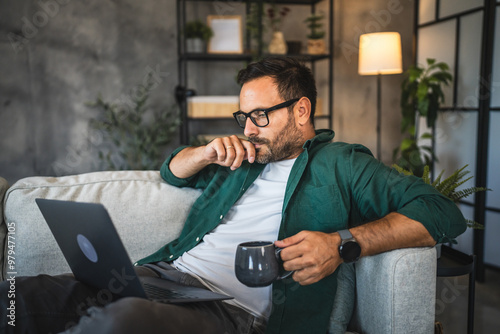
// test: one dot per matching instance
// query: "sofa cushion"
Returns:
(146, 212)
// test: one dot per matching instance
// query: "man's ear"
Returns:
(303, 111)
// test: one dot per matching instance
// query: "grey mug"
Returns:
(258, 263)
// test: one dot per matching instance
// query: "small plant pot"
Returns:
(195, 45)
(316, 46)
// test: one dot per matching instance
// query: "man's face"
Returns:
(281, 139)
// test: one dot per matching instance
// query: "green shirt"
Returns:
(331, 186)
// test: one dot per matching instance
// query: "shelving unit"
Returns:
(182, 91)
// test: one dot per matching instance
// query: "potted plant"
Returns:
(197, 35)
(421, 95)
(315, 42)
(135, 136)
(275, 17)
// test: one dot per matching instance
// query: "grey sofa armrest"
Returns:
(396, 292)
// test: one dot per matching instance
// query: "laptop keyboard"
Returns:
(155, 292)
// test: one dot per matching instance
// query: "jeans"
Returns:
(54, 304)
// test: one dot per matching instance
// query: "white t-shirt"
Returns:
(255, 216)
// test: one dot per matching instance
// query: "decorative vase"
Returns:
(316, 46)
(195, 45)
(278, 44)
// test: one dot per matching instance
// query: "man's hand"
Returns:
(312, 255)
(229, 151)
(315, 255)
(226, 151)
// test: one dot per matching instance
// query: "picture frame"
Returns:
(228, 35)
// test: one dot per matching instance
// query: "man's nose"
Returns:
(250, 128)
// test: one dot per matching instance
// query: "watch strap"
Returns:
(345, 234)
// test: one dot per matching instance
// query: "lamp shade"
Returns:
(380, 53)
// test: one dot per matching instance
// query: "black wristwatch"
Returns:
(349, 249)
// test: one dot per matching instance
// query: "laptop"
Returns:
(96, 255)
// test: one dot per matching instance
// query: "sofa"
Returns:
(394, 292)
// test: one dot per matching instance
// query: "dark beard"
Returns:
(286, 144)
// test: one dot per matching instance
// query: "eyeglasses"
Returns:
(259, 116)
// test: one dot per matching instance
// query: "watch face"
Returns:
(350, 251)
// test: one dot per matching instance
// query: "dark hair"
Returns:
(293, 78)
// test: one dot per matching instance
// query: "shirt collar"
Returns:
(322, 136)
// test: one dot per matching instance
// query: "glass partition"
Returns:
(491, 243)
(455, 140)
(495, 98)
(438, 42)
(452, 7)
(493, 179)
(469, 60)
(426, 11)
(466, 35)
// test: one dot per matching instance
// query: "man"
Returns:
(286, 182)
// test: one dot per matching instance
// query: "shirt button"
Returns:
(171, 256)
(221, 216)
(198, 239)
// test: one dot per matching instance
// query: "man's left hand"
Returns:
(312, 255)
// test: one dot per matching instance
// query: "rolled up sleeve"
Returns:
(379, 190)
(198, 181)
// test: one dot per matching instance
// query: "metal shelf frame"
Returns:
(182, 91)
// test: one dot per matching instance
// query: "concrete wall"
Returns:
(354, 95)
(57, 55)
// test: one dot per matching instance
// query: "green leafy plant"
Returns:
(198, 141)
(422, 92)
(449, 186)
(255, 28)
(315, 25)
(138, 135)
(421, 95)
(413, 156)
(198, 29)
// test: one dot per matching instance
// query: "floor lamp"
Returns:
(380, 53)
